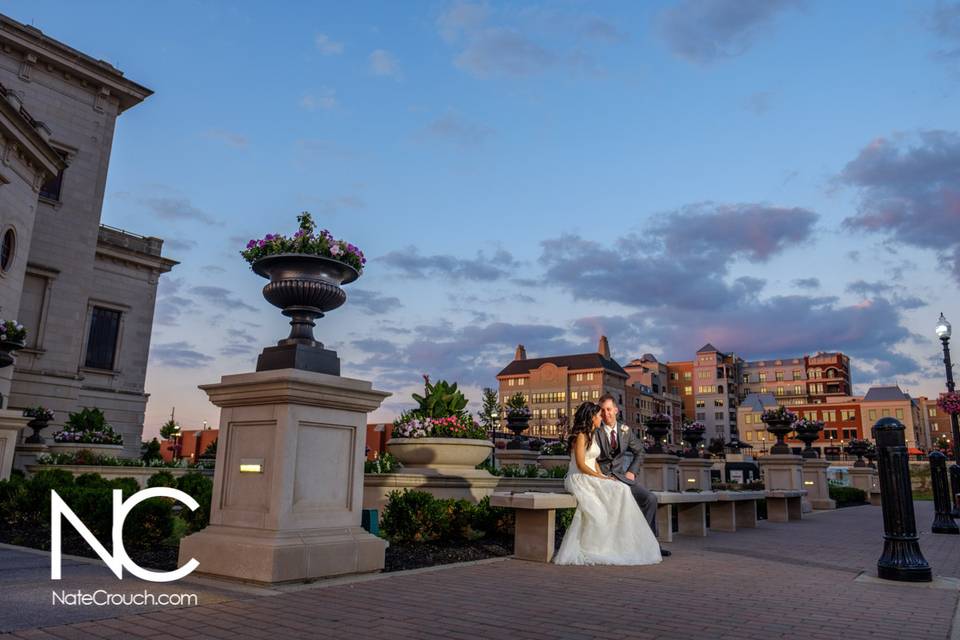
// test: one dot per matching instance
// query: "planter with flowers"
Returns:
(693, 435)
(949, 402)
(88, 430)
(40, 417)
(779, 422)
(12, 337)
(554, 455)
(439, 437)
(518, 419)
(808, 432)
(658, 426)
(306, 272)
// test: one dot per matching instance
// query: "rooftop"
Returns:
(885, 394)
(581, 361)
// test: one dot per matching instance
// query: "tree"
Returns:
(169, 429)
(942, 443)
(150, 450)
(491, 406)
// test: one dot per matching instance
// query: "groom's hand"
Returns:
(629, 475)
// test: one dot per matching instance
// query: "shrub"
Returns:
(520, 471)
(162, 479)
(200, 488)
(412, 516)
(92, 481)
(564, 518)
(149, 524)
(557, 472)
(150, 450)
(383, 463)
(847, 495)
(128, 486)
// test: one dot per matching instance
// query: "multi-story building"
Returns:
(680, 381)
(649, 391)
(798, 380)
(828, 376)
(84, 292)
(938, 421)
(883, 402)
(715, 379)
(554, 386)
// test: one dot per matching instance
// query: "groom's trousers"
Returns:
(647, 502)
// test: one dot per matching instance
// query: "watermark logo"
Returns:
(119, 560)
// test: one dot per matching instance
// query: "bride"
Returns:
(608, 526)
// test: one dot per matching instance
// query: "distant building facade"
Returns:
(85, 292)
(649, 392)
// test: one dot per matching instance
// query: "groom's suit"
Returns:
(613, 462)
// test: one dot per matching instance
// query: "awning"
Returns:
(915, 452)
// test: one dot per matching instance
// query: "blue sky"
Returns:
(775, 177)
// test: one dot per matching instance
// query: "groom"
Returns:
(615, 440)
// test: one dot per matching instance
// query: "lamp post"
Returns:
(943, 332)
(495, 421)
(763, 439)
(176, 442)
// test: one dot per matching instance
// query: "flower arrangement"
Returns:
(88, 426)
(694, 427)
(658, 418)
(949, 402)
(558, 448)
(780, 414)
(517, 407)
(38, 413)
(441, 414)
(806, 423)
(306, 241)
(12, 331)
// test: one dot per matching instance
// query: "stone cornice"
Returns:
(28, 140)
(135, 258)
(292, 386)
(46, 50)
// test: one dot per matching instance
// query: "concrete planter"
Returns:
(113, 450)
(447, 455)
(552, 462)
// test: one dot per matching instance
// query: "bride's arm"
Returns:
(580, 455)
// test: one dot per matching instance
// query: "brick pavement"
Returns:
(793, 580)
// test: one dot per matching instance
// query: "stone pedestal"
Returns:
(660, 472)
(288, 486)
(782, 472)
(815, 482)
(26, 455)
(11, 423)
(695, 474)
(866, 479)
(517, 457)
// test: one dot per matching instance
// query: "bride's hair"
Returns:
(583, 421)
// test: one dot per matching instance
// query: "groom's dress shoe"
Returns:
(664, 552)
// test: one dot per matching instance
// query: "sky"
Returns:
(776, 177)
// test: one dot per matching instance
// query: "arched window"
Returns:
(8, 247)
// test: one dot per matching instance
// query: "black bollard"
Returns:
(902, 559)
(942, 521)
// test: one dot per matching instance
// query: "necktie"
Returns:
(613, 439)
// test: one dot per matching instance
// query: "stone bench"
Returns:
(735, 509)
(691, 507)
(535, 532)
(785, 505)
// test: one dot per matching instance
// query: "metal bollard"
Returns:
(942, 520)
(902, 559)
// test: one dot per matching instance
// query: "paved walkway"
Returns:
(809, 579)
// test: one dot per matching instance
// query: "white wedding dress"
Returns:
(608, 526)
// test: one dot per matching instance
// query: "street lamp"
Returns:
(763, 439)
(943, 333)
(176, 442)
(495, 419)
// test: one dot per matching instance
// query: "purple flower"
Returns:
(268, 237)
(260, 243)
(251, 244)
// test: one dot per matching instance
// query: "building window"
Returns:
(718, 415)
(849, 434)
(779, 391)
(899, 413)
(797, 390)
(829, 416)
(746, 378)
(589, 376)
(52, 187)
(779, 376)
(31, 307)
(579, 377)
(933, 412)
(718, 402)
(687, 375)
(102, 340)
(510, 382)
(7, 249)
(797, 374)
(701, 416)
(872, 414)
(596, 393)
(749, 436)
(885, 413)
(700, 404)
(520, 382)
(688, 391)
(573, 395)
(719, 388)
(762, 377)
(763, 389)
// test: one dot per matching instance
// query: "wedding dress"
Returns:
(608, 526)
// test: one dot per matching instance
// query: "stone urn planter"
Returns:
(111, 450)
(518, 424)
(553, 462)
(858, 448)
(693, 437)
(38, 425)
(439, 456)
(305, 287)
(779, 422)
(808, 434)
(7, 347)
(658, 431)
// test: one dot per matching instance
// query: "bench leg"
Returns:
(723, 516)
(777, 510)
(665, 522)
(692, 519)
(746, 514)
(795, 508)
(535, 533)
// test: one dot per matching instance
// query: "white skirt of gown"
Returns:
(608, 526)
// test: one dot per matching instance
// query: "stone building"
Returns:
(715, 376)
(84, 291)
(555, 386)
(648, 392)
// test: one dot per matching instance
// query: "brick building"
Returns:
(648, 392)
(841, 418)
(938, 421)
(192, 444)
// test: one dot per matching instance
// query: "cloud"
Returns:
(760, 102)
(753, 231)
(864, 288)
(220, 297)
(504, 51)
(213, 269)
(412, 264)
(325, 98)
(807, 283)
(179, 244)
(240, 343)
(327, 45)
(909, 189)
(945, 24)
(373, 302)
(705, 31)
(383, 63)
(169, 309)
(180, 355)
(177, 208)
(231, 138)
(455, 129)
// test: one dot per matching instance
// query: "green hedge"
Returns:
(847, 495)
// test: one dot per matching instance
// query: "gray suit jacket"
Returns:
(614, 463)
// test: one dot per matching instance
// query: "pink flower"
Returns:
(335, 250)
